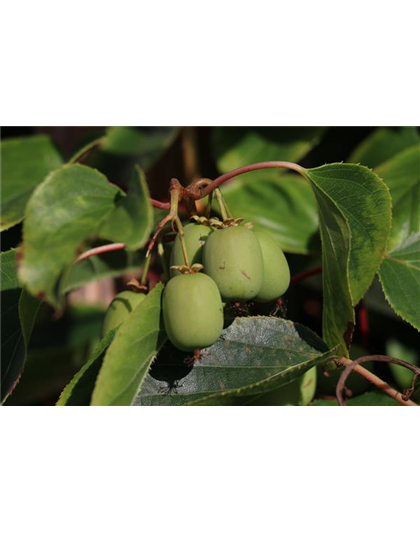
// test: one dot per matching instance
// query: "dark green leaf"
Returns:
(25, 162)
(236, 147)
(68, 208)
(402, 176)
(79, 390)
(400, 278)
(253, 355)
(132, 220)
(281, 205)
(355, 217)
(129, 357)
(383, 144)
(18, 314)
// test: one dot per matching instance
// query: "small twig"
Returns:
(404, 398)
(307, 274)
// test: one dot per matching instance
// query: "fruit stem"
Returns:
(163, 262)
(224, 210)
(145, 270)
(182, 239)
(171, 216)
(403, 398)
(208, 207)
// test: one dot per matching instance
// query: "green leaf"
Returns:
(374, 398)
(355, 216)
(79, 390)
(145, 144)
(383, 144)
(103, 266)
(400, 278)
(68, 208)
(18, 315)
(403, 376)
(253, 355)
(236, 147)
(402, 176)
(281, 205)
(25, 162)
(129, 357)
(132, 220)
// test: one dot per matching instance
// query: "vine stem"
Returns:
(250, 168)
(375, 380)
(201, 193)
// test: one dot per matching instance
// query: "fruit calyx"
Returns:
(196, 267)
(136, 286)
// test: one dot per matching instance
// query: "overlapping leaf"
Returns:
(400, 278)
(235, 147)
(281, 205)
(355, 217)
(25, 162)
(130, 355)
(253, 355)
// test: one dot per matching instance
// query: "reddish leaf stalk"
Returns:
(307, 274)
(101, 250)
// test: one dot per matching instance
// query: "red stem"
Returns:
(249, 168)
(307, 274)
